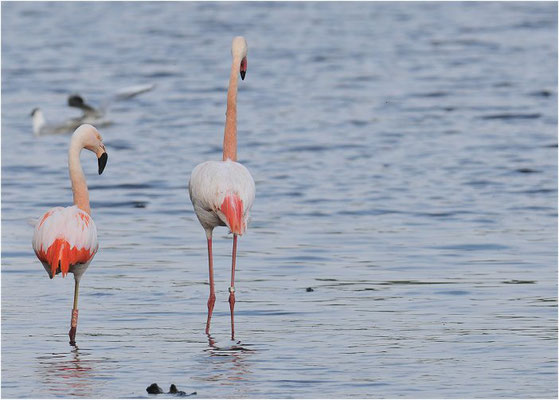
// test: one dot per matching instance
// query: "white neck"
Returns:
(79, 185)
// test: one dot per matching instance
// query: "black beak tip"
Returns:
(102, 162)
(243, 73)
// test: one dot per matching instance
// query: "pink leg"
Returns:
(74, 322)
(211, 299)
(73, 327)
(232, 288)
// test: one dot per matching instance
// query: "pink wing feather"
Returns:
(63, 238)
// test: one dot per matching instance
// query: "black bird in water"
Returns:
(155, 389)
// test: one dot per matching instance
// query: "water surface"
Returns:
(405, 158)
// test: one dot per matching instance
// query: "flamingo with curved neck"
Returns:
(65, 239)
(222, 192)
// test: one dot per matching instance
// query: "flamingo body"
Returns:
(222, 193)
(65, 240)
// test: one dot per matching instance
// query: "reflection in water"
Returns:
(236, 346)
(227, 365)
(67, 374)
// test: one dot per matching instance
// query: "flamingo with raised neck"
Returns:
(65, 239)
(222, 192)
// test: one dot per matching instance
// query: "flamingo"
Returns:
(222, 192)
(65, 239)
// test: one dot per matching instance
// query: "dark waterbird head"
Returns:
(154, 389)
(77, 101)
(173, 389)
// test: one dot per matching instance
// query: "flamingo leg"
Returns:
(74, 321)
(211, 299)
(232, 288)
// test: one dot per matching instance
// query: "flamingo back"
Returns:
(63, 238)
(222, 193)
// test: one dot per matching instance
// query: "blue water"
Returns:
(405, 159)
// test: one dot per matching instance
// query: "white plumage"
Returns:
(222, 192)
(70, 225)
(211, 182)
(65, 239)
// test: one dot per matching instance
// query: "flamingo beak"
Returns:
(102, 162)
(243, 68)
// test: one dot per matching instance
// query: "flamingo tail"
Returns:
(232, 208)
(61, 255)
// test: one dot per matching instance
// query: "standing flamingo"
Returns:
(65, 239)
(222, 192)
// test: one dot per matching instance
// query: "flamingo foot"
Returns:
(72, 335)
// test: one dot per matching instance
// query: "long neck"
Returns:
(79, 186)
(230, 136)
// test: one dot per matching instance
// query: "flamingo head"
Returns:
(239, 50)
(91, 140)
